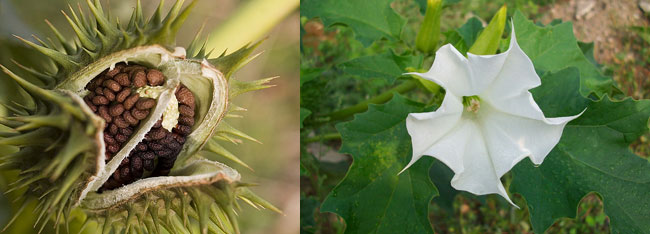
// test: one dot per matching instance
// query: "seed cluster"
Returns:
(113, 97)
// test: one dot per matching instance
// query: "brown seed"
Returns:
(141, 147)
(164, 153)
(116, 110)
(157, 133)
(130, 101)
(111, 73)
(139, 79)
(148, 155)
(100, 100)
(131, 68)
(178, 138)
(167, 140)
(123, 79)
(174, 145)
(90, 104)
(112, 129)
(112, 85)
(124, 172)
(145, 103)
(126, 131)
(125, 161)
(99, 91)
(136, 163)
(129, 118)
(186, 120)
(140, 114)
(155, 146)
(103, 112)
(114, 148)
(186, 110)
(109, 140)
(121, 96)
(96, 83)
(116, 177)
(155, 77)
(121, 138)
(182, 130)
(109, 94)
(158, 124)
(148, 164)
(119, 121)
(185, 96)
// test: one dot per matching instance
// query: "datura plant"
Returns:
(488, 120)
(118, 123)
(511, 108)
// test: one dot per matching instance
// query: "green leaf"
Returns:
(553, 48)
(387, 66)
(592, 156)
(308, 74)
(588, 51)
(561, 85)
(308, 207)
(373, 198)
(304, 113)
(370, 20)
(470, 30)
(465, 36)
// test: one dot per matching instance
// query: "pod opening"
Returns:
(124, 97)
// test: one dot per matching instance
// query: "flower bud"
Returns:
(427, 38)
(488, 41)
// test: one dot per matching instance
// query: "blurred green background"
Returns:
(272, 115)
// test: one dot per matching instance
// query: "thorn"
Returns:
(58, 57)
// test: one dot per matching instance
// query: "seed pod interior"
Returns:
(61, 140)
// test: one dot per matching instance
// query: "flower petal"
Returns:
(510, 87)
(477, 174)
(450, 70)
(511, 138)
(426, 129)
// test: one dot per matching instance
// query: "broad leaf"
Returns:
(387, 66)
(373, 198)
(470, 31)
(465, 36)
(553, 48)
(308, 207)
(370, 20)
(592, 156)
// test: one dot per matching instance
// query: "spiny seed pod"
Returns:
(116, 122)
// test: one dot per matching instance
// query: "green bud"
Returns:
(427, 38)
(488, 41)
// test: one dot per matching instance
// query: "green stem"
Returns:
(363, 106)
(326, 137)
(250, 23)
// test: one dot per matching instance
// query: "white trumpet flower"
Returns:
(488, 120)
